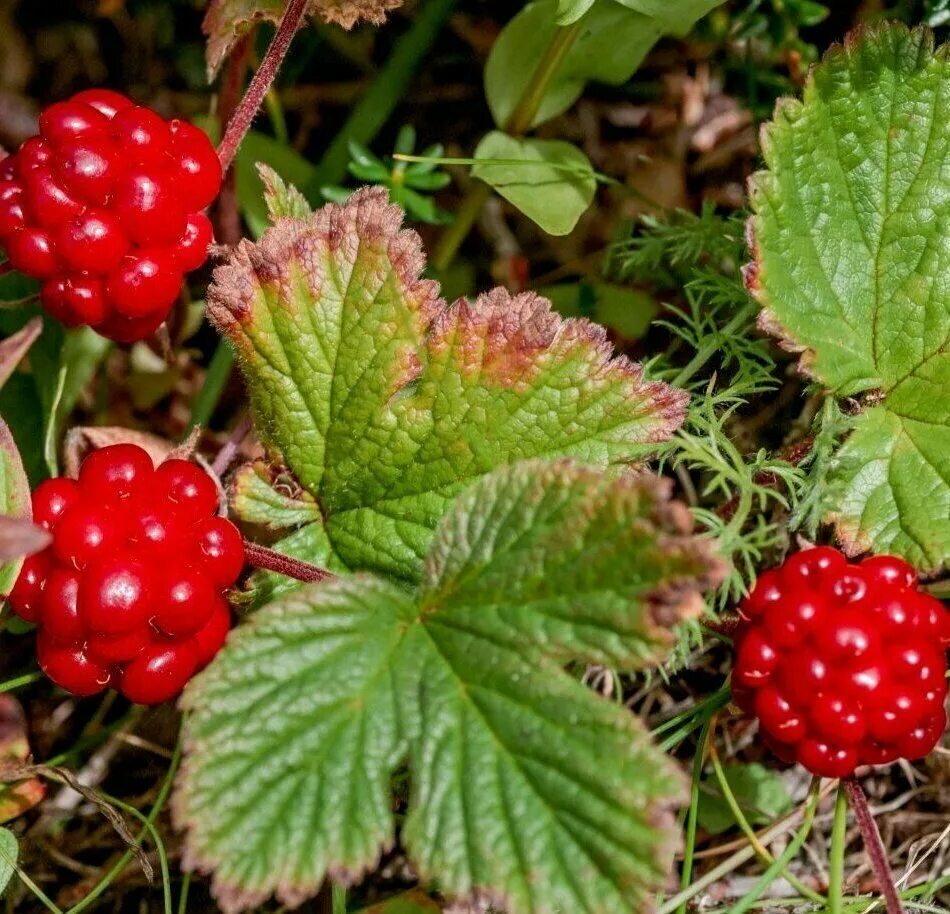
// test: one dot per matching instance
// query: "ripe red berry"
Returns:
(844, 664)
(104, 206)
(130, 592)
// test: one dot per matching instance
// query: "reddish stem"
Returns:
(268, 560)
(229, 449)
(874, 846)
(228, 216)
(244, 116)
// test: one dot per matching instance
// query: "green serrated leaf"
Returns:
(527, 788)
(14, 500)
(759, 791)
(385, 402)
(550, 181)
(9, 852)
(852, 259)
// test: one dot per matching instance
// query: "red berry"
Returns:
(143, 135)
(70, 667)
(50, 500)
(189, 488)
(60, 617)
(88, 170)
(116, 473)
(94, 242)
(219, 550)
(104, 100)
(197, 172)
(32, 251)
(64, 122)
(191, 251)
(159, 672)
(145, 283)
(49, 204)
(147, 202)
(104, 207)
(184, 601)
(115, 595)
(85, 532)
(843, 664)
(132, 585)
(26, 598)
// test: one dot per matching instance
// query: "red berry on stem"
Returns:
(111, 650)
(85, 532)
(144, 135)
(191, 251)
(64, 122)
(153, 528)
(12, 216)
(843, 663)
(33, 153)
(184, 601)
(32, 251)
(197, 167)
(94, 242)
(211, 637)
(49, 204)
(147, 203)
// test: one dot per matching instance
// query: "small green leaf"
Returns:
(550, 181)
(258, 497)
(525, 785)
(385, 402)
(14, 501)
(283, 200)
(760, 793)
(612, 41)
(852, 256)
(9, 852)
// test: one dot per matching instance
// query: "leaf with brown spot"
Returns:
(526, 787)
(227, 20)
(386, 402)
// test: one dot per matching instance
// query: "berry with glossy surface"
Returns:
(130, 591)
(104, 206)
(844, 664)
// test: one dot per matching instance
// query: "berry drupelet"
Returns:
(104, 207)
(844, 664)
(130, 593)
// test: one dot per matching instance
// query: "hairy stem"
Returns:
(873, 845)
(269, 560)
(245, 113)
(518, 124)
(228, 452)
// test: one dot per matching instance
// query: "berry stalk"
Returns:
(269, 560)
(873, 845)
(247, 110)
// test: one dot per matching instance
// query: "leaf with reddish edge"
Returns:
(527, 788)
(15, 347)
(227, 20)
(851, 263)
(386, 402)
(14, 505)
(15, 798)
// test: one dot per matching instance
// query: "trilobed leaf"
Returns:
(385, 402)
(852, 245)
(526, 787)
